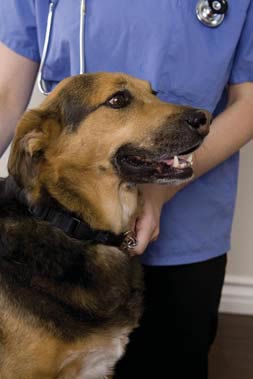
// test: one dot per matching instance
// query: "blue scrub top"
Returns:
(187, 63)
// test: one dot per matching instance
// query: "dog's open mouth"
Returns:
(177, 164)
(140, 167)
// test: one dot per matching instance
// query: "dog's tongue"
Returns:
(168, 162)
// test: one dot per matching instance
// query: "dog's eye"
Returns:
(119, 100)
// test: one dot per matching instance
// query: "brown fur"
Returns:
(64, 150)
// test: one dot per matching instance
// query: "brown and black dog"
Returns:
(69, 293)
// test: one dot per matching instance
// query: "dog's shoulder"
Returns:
(48, 274)
(43, 250)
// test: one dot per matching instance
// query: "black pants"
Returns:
(179, 322)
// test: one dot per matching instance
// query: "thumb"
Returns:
(145, 229)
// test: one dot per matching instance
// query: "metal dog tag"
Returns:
(130, 241)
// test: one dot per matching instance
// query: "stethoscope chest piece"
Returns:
(211, 12)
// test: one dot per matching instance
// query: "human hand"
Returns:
(148, 223)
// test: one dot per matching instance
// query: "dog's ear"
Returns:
(35, 131)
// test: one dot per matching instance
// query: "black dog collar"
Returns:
(70, 224)
(80, 230)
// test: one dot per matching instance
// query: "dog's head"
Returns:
(97, 134)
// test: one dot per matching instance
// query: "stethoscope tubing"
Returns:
(52, 5)
(41, 83)
(81, 35)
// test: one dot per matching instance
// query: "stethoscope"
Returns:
(52, 5)
(209, 12)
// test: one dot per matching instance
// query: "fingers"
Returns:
(147, 225)
(147, 230)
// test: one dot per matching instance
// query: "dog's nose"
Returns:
(199, 121)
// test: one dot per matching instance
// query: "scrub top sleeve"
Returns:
(18, 29)
(242, 69)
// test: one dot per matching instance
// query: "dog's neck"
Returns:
(104, 203)
(51, 211)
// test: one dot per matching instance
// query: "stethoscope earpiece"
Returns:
(211, 12)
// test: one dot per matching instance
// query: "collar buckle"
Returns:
(130, 241)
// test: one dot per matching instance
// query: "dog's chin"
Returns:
(140, 167)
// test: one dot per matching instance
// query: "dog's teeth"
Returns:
(176, 162)
(190, 158)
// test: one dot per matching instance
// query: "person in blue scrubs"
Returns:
(187, 63)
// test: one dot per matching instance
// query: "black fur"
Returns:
(40, 266)
(74, 108)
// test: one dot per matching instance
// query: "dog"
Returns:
(70, 293)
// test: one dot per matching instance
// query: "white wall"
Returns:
(238, 291)
(36, 99)
(241, 262)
